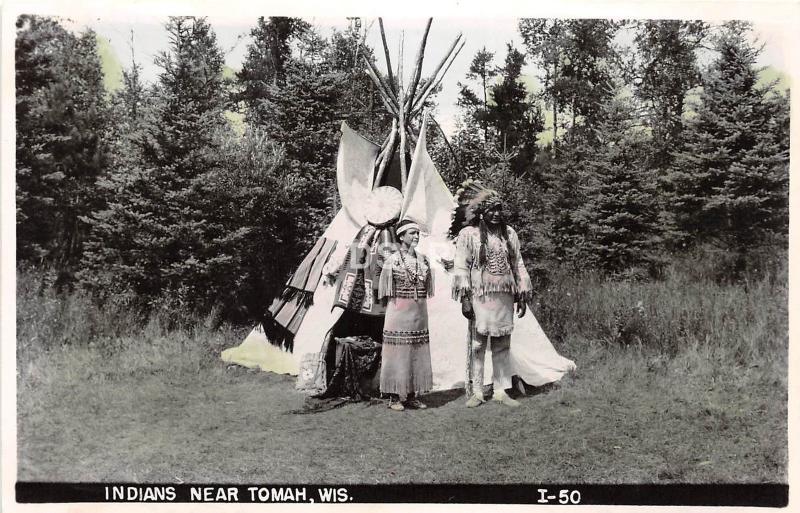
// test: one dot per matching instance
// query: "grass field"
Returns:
(677, 381)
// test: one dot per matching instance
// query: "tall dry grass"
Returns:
(687, 314)
(741, 322)
(74, 337)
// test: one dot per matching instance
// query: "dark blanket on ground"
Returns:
(352, 378)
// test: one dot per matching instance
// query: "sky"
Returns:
(149, 38)
(144, 37)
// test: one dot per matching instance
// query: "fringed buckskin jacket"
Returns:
(501, 273)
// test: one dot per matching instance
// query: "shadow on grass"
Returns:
(432, 400)
(435, 399)
(531, 391)
(521, 390)
(442, 397)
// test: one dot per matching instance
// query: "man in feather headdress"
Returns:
(489, 278)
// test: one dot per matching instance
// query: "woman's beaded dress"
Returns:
(406, 359)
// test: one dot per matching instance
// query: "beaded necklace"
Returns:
(416, 274)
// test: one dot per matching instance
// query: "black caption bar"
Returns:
(755, 495)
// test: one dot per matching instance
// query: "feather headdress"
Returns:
(473, 199)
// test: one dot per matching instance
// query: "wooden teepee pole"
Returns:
(402, 120)
(386, 155)
(417, 72)
(434, 83)
(386, 53)
(413, 139)
(383, 88)
(385, 142)
(433, 80)
(385, 98)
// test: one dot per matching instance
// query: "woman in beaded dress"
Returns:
(406, 282)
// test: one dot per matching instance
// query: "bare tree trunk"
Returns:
(555, 113)
(572, 127)
(485, 107)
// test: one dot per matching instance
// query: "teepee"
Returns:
(311, 309)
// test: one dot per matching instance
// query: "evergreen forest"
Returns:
(637, 145)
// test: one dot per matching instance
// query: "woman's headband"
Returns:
(404, 227)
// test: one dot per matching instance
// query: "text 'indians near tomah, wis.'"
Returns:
(592, 247)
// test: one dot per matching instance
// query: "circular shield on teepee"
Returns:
(383, 206)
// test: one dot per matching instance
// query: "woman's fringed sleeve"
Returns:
(386, 281)
(524, 285)
(462, 264)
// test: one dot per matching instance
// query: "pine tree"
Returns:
(565, 195)
(255, 206)
(580, 64)
(578, 58)
(587, 76)
(164, 234)
(730, 182)
(360, 103)
(110, 242)
(508, 119)
(265, 63)
(325, 83)
(473, 134)
(128, 109)
(515, 117)
(545, 41)
(666, 70)
(61, 121)
(620, 215)
(483, 71)
(304, 117)
(468, 156)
